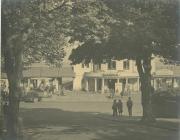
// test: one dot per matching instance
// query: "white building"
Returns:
(121, 75)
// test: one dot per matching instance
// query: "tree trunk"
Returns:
(12, 50)
(144, 70)
(13, 66)
(13, 110)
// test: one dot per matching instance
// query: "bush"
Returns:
(166, 103)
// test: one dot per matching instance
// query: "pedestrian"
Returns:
(152, 90)
(62, 91)
(122, 93)
(5, 108)
(5, 114)
(112, 93)
(120, 107)
(114, 108)
(117, 91)
(129, 106)
(128, 91)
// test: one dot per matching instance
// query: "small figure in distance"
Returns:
(62, 90)
(120, 107)
(112, 93)
(129, 106)
(114, 108)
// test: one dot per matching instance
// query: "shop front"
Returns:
(104, 83)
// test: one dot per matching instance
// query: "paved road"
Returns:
(60, 119)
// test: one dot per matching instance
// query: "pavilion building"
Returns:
(37, 73)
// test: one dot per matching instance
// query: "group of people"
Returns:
(117, 107)
(125, 92)
(51, 89)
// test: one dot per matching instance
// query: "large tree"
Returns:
(32, 30)
(140, 30)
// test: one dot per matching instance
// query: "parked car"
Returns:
(32, 96)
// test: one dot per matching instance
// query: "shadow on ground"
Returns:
(55, 124)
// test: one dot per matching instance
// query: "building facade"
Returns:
(40, 74)
(121, 76)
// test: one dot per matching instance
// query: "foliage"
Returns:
(150, 27)
(170, 92)
(90, 21)
(30, 32)
(36, 31)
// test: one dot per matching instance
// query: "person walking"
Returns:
(112, 93)
(62, 91)
(122, 93)
(5, 108)
(129, 106)
(114, 108)
(120, 107)
(128, 91)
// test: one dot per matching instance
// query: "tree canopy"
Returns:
(32, 30)
(35, 28)
(149, 27)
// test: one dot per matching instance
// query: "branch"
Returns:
(59, 6)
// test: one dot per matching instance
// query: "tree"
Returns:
(140, 30)
(32, 30)
(35, 30)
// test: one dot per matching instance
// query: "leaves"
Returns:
(112, 29)
(90, 21)
(150, 27)
(37, 33)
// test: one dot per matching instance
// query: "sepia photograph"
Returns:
(90, 70)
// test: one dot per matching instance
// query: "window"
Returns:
(97, 67)
(87, 65)
(104, 61)
(126, 65)
(112, 65)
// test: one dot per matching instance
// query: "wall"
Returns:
(79, 75)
